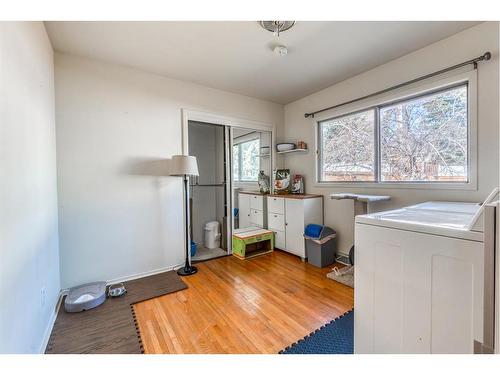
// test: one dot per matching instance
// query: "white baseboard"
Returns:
(50, 325)
(143, 274)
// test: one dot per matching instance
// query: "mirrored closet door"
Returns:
(251, 157)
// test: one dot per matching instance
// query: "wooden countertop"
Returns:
(286, 196)
(296, 196)
(251, 192)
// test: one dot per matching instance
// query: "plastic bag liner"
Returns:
(323, 240)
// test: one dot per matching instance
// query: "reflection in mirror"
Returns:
(251, 172)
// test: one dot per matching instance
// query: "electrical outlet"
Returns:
(43, 296)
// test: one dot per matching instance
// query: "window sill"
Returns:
(470, 186)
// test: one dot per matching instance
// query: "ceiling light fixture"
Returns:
(276, 27)
(280, 50)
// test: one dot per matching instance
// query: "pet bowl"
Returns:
(285, 146)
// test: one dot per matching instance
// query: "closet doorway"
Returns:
(208, 198)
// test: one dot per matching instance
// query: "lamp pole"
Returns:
(188, 269)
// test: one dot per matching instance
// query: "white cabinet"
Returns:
(279, 239)
(288, 216)
(295, 224)
(256, 218)
(252, 210)
(256, 202)
(416, 292)
(276, 221)
(244, 210)
(276, 205)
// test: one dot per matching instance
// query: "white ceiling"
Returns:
(238, 57)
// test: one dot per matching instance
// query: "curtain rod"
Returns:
(485, 57)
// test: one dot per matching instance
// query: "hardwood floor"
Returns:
(259, 305)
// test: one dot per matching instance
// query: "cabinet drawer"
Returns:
(257, 202)
(279, 240)
(276, 205)
(257, 217)
(276, 221)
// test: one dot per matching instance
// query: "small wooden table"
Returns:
(252, 241)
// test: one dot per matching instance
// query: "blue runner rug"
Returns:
(336, 337)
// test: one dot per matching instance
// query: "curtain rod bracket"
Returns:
(484, 57)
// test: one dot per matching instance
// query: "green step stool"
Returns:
(252, 241)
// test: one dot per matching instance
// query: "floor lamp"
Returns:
(185, 166)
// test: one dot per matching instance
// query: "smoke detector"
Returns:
(276, 27)
(280, 50)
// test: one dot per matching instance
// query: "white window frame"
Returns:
(430, 86)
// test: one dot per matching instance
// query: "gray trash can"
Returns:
(320, 243)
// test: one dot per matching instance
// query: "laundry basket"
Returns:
(320, 243)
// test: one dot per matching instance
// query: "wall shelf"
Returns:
(295, 150)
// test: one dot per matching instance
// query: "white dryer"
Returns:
(424, 279)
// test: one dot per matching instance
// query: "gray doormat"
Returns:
(344, 275)
(110, 328)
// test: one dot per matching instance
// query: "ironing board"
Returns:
(361, 202)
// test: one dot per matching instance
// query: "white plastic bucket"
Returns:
(212, 235)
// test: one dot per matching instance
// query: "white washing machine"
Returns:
(424, 279)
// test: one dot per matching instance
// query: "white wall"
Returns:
(29, 260)
(458, 48)
(119, 215)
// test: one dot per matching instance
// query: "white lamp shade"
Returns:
(181, 165)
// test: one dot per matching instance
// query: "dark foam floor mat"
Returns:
(336, 337)
(110, 328)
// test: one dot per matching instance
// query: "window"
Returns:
(347, 146)
(421, 139)
(425, 139)
(246, 161)
(236, 162)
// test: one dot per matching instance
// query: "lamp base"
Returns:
(187, 270)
